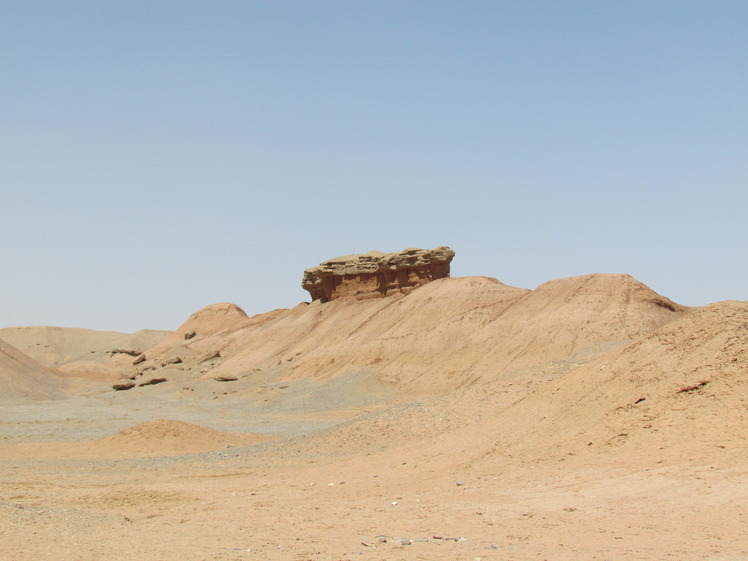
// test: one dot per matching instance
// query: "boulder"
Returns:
(376, 274)
(125, 352)
(173, 360)
(122, 386)
(153, 382)
(209, 356)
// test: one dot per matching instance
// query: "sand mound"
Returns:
(213, 319)
(204, 340)
(175, 435)
(22, 378)
(151, 439)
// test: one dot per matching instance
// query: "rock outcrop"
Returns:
(376, 274)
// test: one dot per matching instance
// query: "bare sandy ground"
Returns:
(589, 419)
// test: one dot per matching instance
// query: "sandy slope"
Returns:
(588, 419)
(81, 352)
(446, 334)
(680, 392)
(22, 378)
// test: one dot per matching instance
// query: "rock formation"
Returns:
(376, 274)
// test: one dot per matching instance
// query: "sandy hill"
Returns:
(22, 378)
(679, 392)
(447, 334)
(451, 333)
(82, 352)
(676, 396)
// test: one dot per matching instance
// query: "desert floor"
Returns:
(69, 493)
(589, 419)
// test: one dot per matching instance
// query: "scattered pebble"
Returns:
(410, 541)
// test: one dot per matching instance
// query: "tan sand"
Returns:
(588, 419)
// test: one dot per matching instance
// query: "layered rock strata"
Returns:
(376, 274)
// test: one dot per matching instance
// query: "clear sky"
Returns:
(160, 156)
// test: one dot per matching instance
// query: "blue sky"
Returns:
(157, 157)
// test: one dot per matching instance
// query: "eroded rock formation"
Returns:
(376, 274)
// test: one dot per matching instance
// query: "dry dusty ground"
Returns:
(625, 438)
(327, 497)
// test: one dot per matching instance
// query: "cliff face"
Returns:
(376, 274)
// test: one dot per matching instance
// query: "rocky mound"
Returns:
(376, 274)
(200, 343)
(211, 323)
(211, 320)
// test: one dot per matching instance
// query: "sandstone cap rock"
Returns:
(375, 274)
